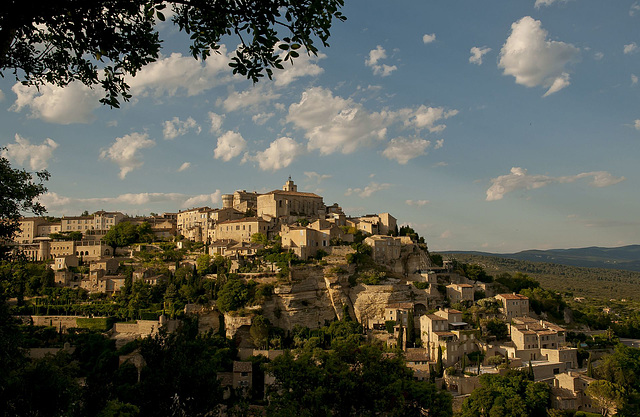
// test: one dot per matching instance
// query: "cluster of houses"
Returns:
(305, 226)
(303, 222)
(532, 344)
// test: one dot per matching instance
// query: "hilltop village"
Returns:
(272, 272)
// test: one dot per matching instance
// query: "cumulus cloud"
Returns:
(124, 152)
(201, 199)
(367, 191)
(230, 145)
(333, 124)
(376, 55)
(176, 127)
(177, 74)
(427, 117)
(540, 3)
(403, 150)
(533, 60)
(74, 103)
(429, 38)
(637, 124)
(634, 79)
(216, 122)
(305, 66)
(519, 179)
(22, 151)
(252, 97)
(261, 118)
(314, 176)
(280, 154)
(55, 201)
(630, 48)
(418, 203)
(439, 144)
(477, 54)
(185, 166)
(635, 8)
(598, 56)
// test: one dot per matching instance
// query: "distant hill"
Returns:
(599, 283)
(624, 257)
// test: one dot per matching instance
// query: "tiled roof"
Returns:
(294, 193)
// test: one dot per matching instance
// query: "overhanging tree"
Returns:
(99, 42)
(19, 192)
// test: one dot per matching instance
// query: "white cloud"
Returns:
(216, 122)
(441, 164)
(427, 117)
(439, 144)
(304, 66)
(540, 3)
(54, 201)
(74, 103)
(176, 127)
(634, 79)
(558, 84)
(477, 54)
(637, 124)
(376, 55)
(201, 199)
(22, 151)
(429, 38)
(261, 118)
(255, 95)
(185, 166)
(519, 179)
(403, 150)
(314, 176)
(333, 124)
(635, 8)
(230, 145)
(418, 203)
(280, 154)
(598, 56)
(367, 191)
(124, 152)
(630, 48)
(533, 60)
(176, 73)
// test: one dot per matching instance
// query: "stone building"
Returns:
(289, 202)
(513, 305)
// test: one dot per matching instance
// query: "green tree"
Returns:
(121, 235)
(497, 328)
(511, 395)
(19, 191)
(101, 42)
(352, 379)
(259, 332)
(144, 233)
(259, 238)
(606, 395)
(233, 295)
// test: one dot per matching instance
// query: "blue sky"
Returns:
(497, 126)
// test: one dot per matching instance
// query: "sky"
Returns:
(485, 125)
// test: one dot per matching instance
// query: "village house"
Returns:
(445, 329)
(241, 201)
(241, 230)
(568, 392)
(375, 224)
(460, 292)
(513, 305)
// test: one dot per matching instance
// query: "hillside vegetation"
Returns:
(597, 283)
